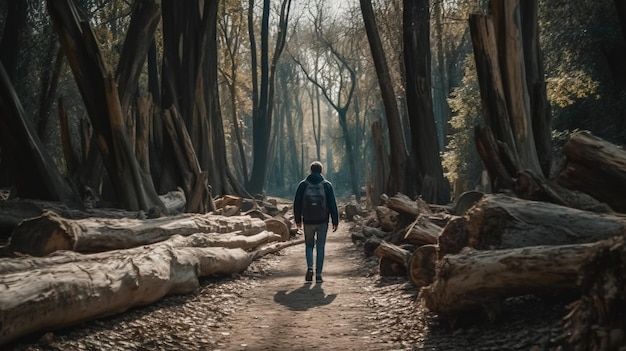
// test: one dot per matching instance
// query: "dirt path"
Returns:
(285, 313)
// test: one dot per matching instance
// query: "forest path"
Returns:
(283, 312)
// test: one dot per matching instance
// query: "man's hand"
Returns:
(334, 227)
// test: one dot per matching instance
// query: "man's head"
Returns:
(316, 167)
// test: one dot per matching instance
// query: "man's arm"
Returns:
(332, 205)
(297, 205)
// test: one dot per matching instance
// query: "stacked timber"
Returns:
(60, 271)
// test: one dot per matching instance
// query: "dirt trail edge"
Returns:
(285, 313)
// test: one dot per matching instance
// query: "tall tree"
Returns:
(397, 172)
(133, 187)
(263, 89)
(335, 77)
(424, 156)
(501, 65)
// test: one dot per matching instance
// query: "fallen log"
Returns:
(45, 234)
(473, 279)
(597, 168)
(71, 293)
(228, 240)
(387, 218)
(279, 227)
(13, 212)
(421, 265)
(56, 292)
(596, 321)
(403, 204)
(422, 232)
(392, 259)
(500, 222)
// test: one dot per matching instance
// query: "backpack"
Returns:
(314, 207)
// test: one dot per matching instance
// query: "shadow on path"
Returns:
(305, 297)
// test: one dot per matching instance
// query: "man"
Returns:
(314, 214)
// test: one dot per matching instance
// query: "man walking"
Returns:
(314, 202)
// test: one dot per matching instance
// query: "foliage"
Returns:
(583, 52)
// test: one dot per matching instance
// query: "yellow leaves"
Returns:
(565, 90)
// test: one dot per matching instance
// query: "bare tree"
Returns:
(263, 90)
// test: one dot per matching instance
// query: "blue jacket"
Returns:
(331, 203)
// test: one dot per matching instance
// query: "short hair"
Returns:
(316, 167)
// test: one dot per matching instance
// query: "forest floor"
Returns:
(270, 307)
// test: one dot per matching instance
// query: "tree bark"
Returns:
(508, 29)
(502, 222)
(403, 204)
(398, 165)
(143, 23)
(424, 155)
(597, 168)
(422, 232)
(392, 259)
(535, 81)
(197, 190)
(60, 291)
(421, 265)
(134, 189)
(48, 233)
(596, 321)
(474, 279)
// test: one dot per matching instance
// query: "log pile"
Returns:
(489, 247)
(70, 270)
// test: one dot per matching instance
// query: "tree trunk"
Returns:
(63, 291)
(535, 81)
(143, 23)
(597, 168)
(262, 111)
(422, 232)
(48, 233)
(474, 279)
(508, 30)
(596, 321)
(197, 191)
(398, 166)
(424, 155)
(421, 265)
(392, 259)
(133, 188)
(502, 222)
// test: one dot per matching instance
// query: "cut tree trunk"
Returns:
(387, 218)
(61, 294)
(597, 320)
(48, 233)
(421, 265)
(474, 279)
(596, 167)
(500, 222)
(422, 232)
(403, 204)
(227, 240)
(392, 259)
(279, 227)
